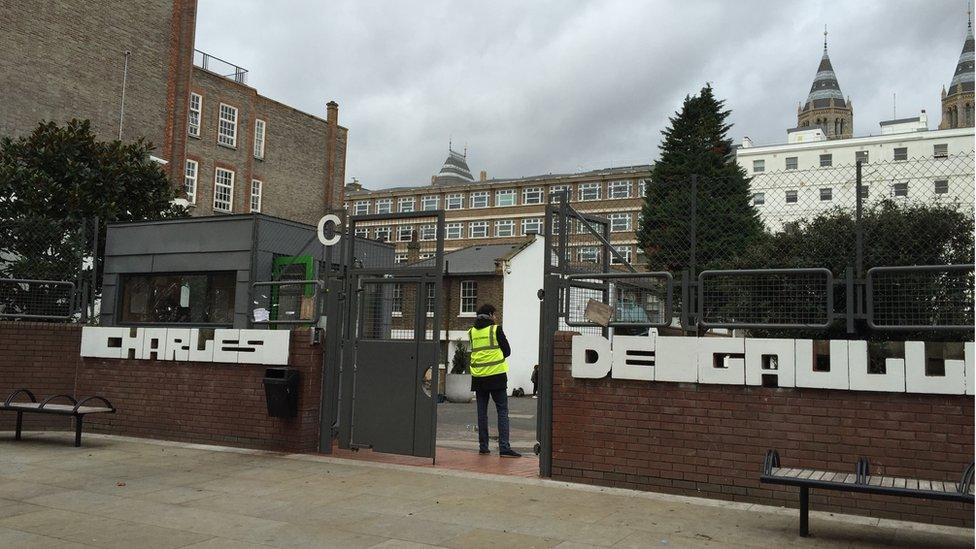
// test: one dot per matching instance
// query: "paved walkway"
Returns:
(119, 492)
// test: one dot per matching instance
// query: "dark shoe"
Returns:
(484, 452)
(509, 454)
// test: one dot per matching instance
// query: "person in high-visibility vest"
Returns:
(489, 377)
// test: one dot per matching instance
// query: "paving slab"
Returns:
(176, 495)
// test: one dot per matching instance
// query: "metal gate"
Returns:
(390, 342)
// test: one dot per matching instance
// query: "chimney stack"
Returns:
(484, 176)
(335, 176)
(413, 249)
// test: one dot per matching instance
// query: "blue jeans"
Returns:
(500, 396)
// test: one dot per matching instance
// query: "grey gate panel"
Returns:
(391, 346)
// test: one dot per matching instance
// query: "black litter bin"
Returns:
(281, 391)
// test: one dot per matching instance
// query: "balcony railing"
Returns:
(218, 66)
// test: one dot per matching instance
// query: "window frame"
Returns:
(625, 251)
(191, 196)
(759, 165)
(472, 225)
(899, 189)
(384, 202)
(383, 230)
(758, 199)
(940, 153)
(507, 193)
(796, 196)
(459, 197)
(423, 202)
(830, 194)
(359, 203)
(554, 190)
(613, 186)
(618, 216)
(532, 191)
(534, 221)
(260, 188)
(399, 232)
(796, 163)
(826, 160)
(396, 299)
(460, 231)
(479, 194)
(221, 120)
(469, 287)
(427, 229)
(499, 223)
(935, 186)
(198, 111)
(259, 138)
(230, 191)
(897, 152)
(584, 187)
(401, 201)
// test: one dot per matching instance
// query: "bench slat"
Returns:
(60, 408)
(900, 483)
(850, 478)
(888, 482)
(874, 480)
(912, 484)
(924, 485)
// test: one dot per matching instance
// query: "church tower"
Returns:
(957, 102)
(825, 106)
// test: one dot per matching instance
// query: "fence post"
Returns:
(694, 225)
(858, 243)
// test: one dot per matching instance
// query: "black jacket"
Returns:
(497, 381)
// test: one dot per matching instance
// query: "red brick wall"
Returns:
(709, 440)
(208, 403)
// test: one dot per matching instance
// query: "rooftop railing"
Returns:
(218, 66)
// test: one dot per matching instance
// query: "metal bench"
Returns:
(78, 409)
(861, 480)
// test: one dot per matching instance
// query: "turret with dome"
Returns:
(825, 106)
(957, 101)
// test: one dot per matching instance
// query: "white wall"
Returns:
(520, 307)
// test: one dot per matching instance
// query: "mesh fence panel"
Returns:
(637, 300)
(43, 263)
(918, 298)
(801, 298)
(396, 243)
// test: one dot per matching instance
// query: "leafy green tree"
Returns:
(56, 179)
(696, 143)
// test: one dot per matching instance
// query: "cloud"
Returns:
(554, 86)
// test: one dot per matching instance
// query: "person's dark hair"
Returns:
(486, 309)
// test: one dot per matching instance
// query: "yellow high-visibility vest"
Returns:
(487, 358)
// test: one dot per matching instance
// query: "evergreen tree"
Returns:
(696, 143)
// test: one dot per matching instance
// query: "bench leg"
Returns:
(78, 431)
(804, 511)
(20, 425)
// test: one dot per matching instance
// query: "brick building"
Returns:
(131, 69)
(504, 211)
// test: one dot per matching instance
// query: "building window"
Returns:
(190, 180)
(223, 190)
(196, 109)
(404, 233)
(396, 305)
(469, 297)
(255, 195)
(758, 166)
(227, 129)
(505, 227)
(479, 199)
(384, 205)
(791, 163)
(504, 198)
(430, 203)
(532, 225)
(624, 252)
(901, 153)
(259, 127)
(758, 199)
(478, 229)
(362, 232)
(405, 205)
(826, 194)
(642, 188)
(619, 222)
(589, 191)
(383, 234)
(399, 258)
(588, 254)
(940, 150)
(362, 207)
(454, 201)
(941, 186)
(453, 231)
(532, 195)
(862, 156)
(198, 298)
(431, 299)
(556, 191)
(791, 197)
(618, 189)
(425, 255)
(899, 190)
(826, 160)
(428, 232)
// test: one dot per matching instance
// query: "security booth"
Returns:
(201, 272)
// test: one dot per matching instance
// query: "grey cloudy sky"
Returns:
(559, 85)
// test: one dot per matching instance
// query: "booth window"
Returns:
(189, 298)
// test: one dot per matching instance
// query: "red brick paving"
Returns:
(450, 458)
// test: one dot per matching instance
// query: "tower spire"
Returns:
(825, 37)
